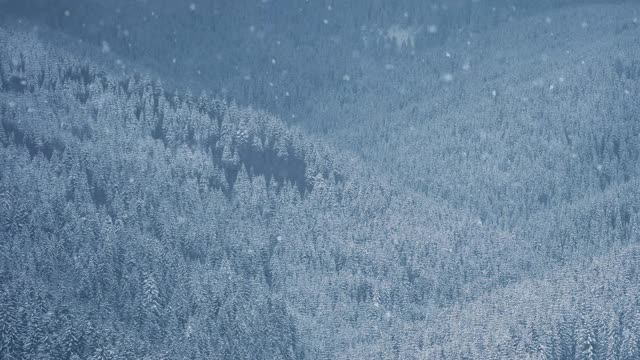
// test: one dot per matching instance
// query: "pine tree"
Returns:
(629, 345)
(230, 157)
(71, 341)
(586, 347)
(10, 345)
(151, 300)
(613, 334)
(102, 354)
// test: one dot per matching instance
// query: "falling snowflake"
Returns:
(447, 77)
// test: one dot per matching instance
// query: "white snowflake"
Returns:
(447, 77)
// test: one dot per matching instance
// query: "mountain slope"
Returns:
(141, 222)
(125, 207)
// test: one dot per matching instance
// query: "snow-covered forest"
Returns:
(318, 179)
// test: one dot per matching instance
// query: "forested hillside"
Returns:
(153, 212)
(455, 180)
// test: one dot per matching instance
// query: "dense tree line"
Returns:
(120, 198)
(599, 322)
(140, 221)
(574, 128)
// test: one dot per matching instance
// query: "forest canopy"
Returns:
(315, 180)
